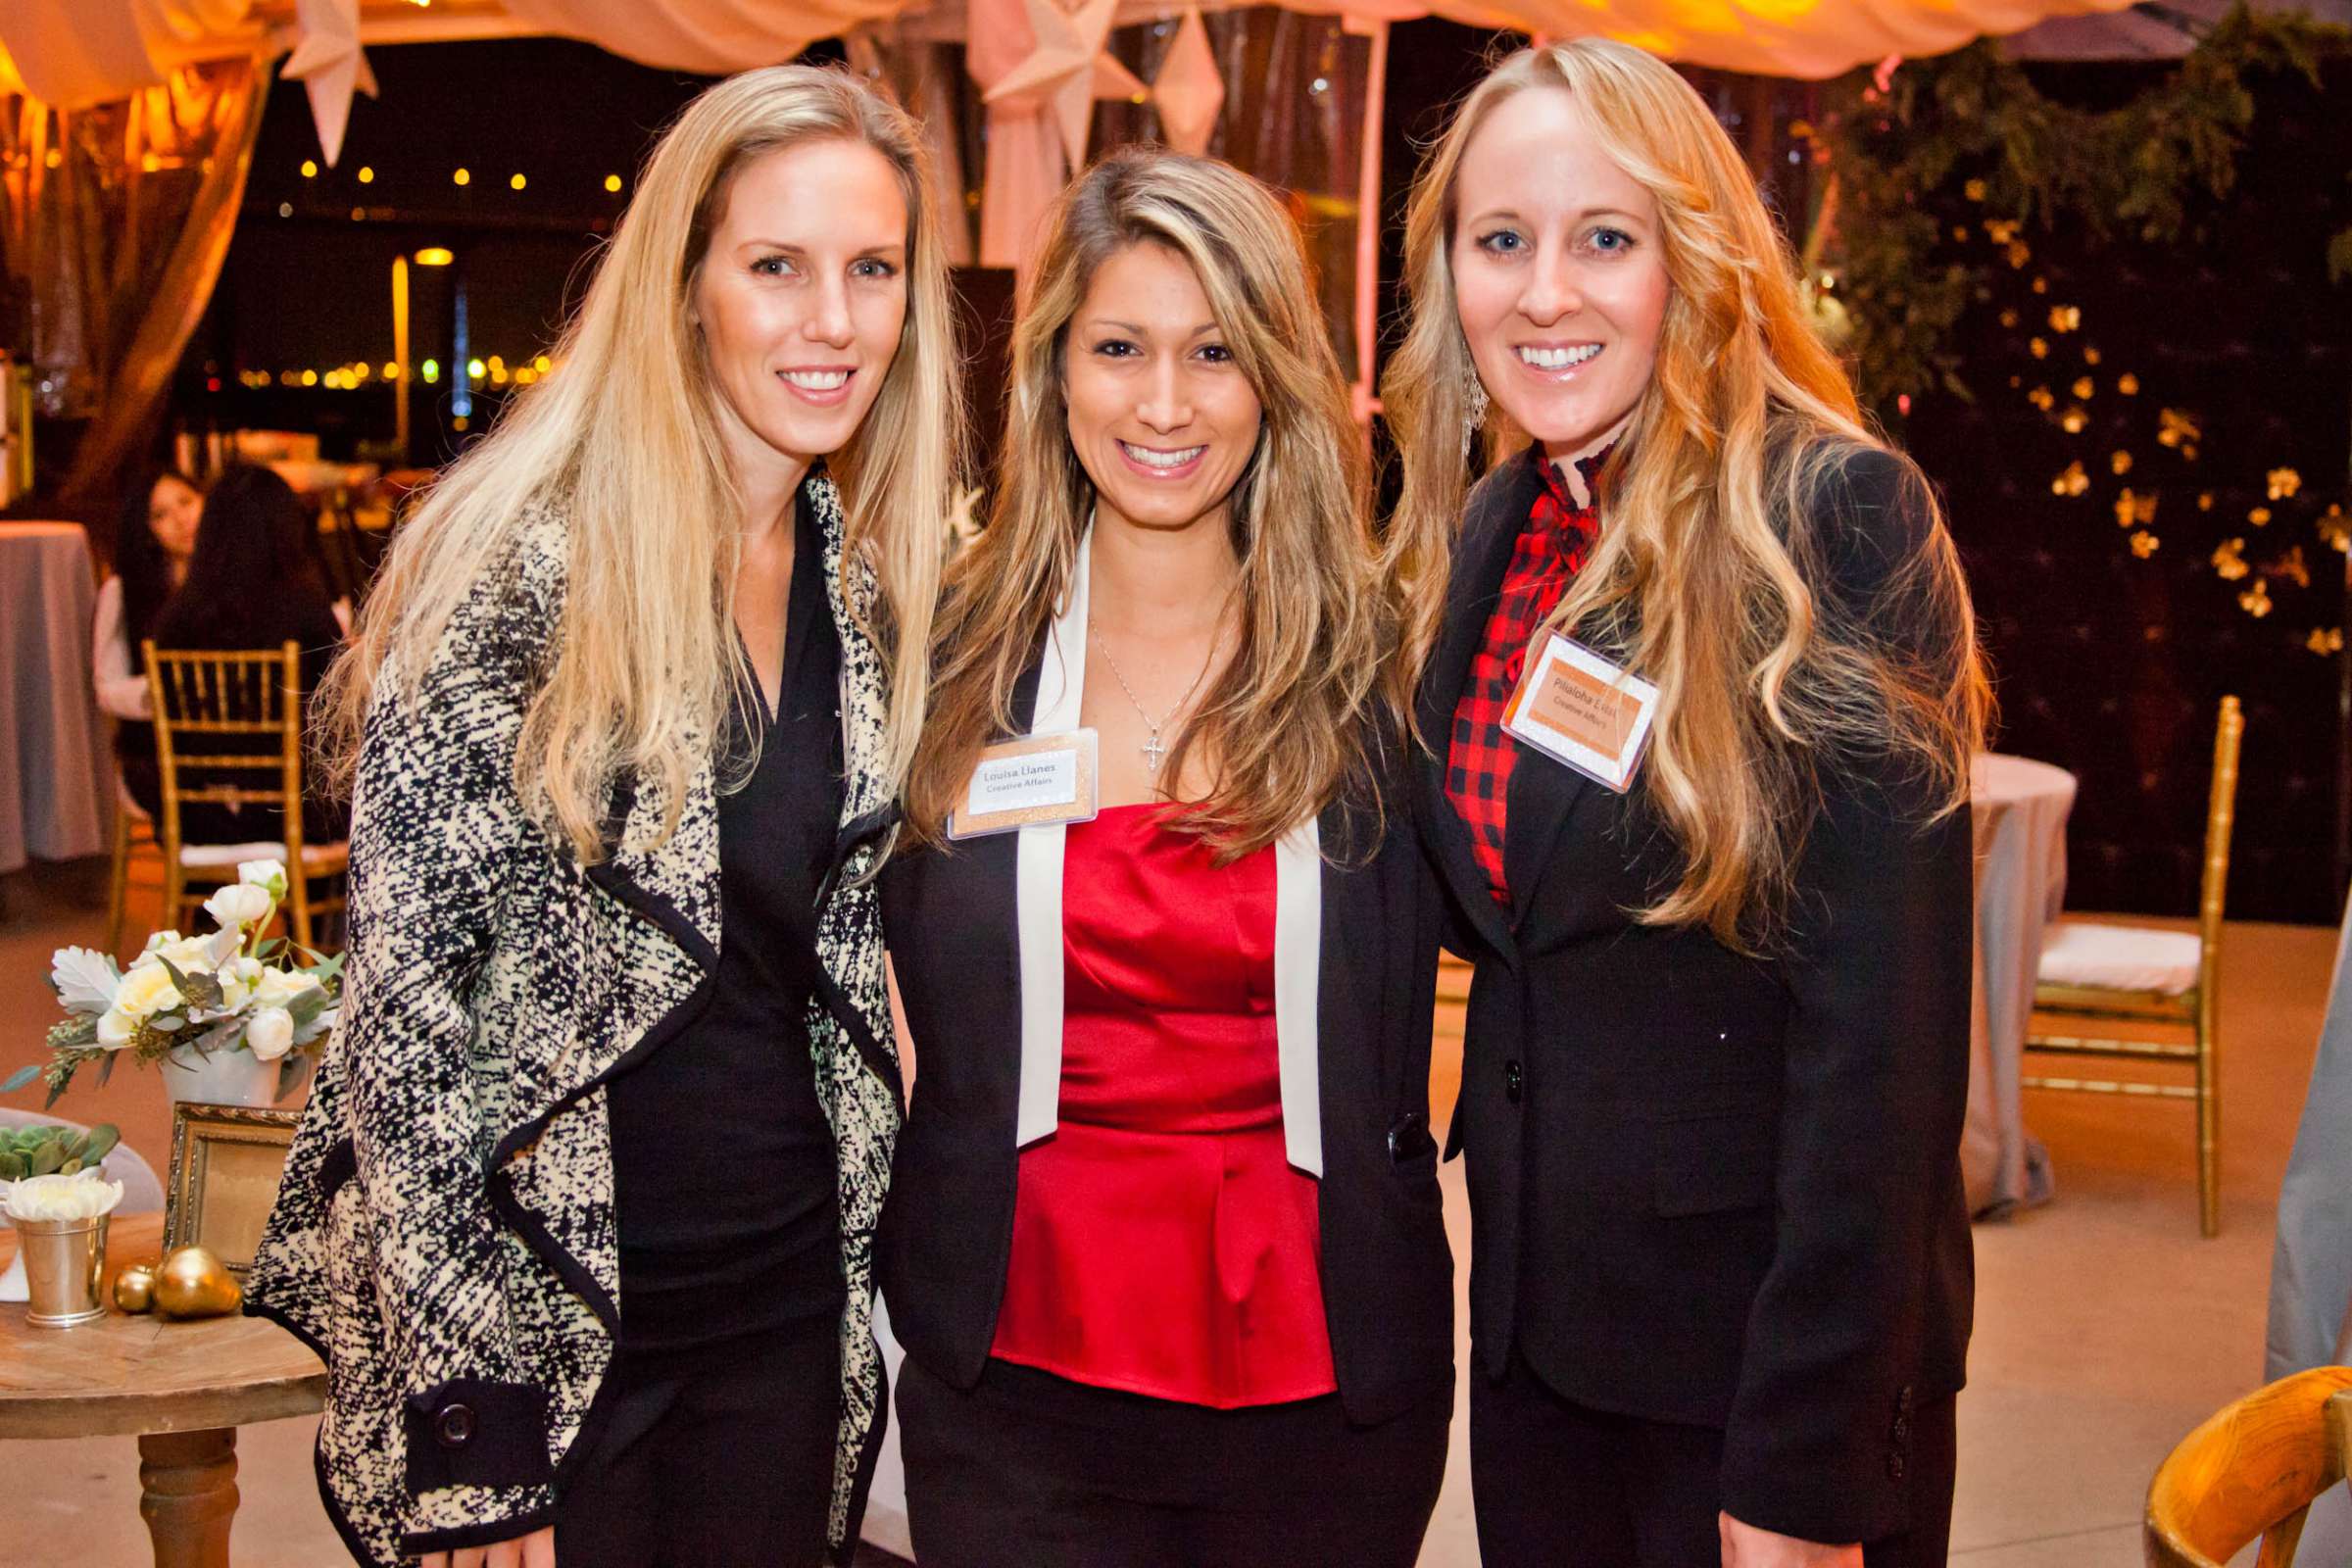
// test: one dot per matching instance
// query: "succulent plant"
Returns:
(53, 1151)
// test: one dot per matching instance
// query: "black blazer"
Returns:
(1707, 1188)
(947, 1230)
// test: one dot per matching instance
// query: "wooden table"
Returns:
(182, 1388)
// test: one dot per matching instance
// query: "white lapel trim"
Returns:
(1298, 985)
(1297, 924)
(1060, 687)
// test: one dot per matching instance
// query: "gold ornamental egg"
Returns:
(193, 1283)
(134, 1288)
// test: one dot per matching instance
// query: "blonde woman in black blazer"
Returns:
(1717, 1041)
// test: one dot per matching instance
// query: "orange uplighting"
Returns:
(435, 256)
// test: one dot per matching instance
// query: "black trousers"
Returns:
(1558, 1485)
(719, 1461)
(1028, 1470)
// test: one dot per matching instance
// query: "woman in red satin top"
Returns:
(1168, 1258)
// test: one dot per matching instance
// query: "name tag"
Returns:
(1035, 781)
(1577, 707)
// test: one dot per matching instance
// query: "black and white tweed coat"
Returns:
(444, 1236)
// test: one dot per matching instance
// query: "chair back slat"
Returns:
(2248, 1472)
(2220, 818)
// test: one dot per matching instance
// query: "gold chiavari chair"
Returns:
(2154, 977)
(2251, 1470)
(243, 712)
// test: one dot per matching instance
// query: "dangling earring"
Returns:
(1474, 416)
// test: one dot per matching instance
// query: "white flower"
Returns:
(240, 904)
(236, 987)
(160, 939)
(269, 1033)
(276, 988)
(268, 875)
(186, 954)
(76, 1196)
(84, 980)
(146, 990)
(115, 1029)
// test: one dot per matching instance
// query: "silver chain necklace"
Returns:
(1151, 749)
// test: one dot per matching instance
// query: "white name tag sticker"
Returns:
(1577, 707)
(1035, 781)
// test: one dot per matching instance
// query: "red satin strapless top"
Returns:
(1162, 1243)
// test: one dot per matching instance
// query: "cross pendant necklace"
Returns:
(1151, 749)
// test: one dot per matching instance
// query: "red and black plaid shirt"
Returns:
(1552, 549)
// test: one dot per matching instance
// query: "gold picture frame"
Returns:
(226, 1162)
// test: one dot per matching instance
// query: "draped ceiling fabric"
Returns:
(1040, 64)
(114, 221)
(76, 52)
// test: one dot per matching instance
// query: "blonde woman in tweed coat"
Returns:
(578, 1217)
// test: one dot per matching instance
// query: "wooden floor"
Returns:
(2105, 1327)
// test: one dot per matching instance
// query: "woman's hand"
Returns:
(1746, 1546)
(534, 1550)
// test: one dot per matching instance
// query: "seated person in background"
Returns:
(250, 584)
(155, 533)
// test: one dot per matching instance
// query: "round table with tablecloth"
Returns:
(2018, 807)
(54, 770)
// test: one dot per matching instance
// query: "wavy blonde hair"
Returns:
(1291, 724)
(1711, 569)
(622, 441)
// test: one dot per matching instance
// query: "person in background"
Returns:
(1716, 1056)
(154, 533)
(248, 586)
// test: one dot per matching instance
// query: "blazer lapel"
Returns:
(1060, 688)
(1498, 511)
(1542, 796)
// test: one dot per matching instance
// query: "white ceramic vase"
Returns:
(232, 1078)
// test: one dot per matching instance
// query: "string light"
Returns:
(613, 183)
(309, 169)
(517, 182)
(463, 177)
(366, 175)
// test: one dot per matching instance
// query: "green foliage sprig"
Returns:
(2030, 162)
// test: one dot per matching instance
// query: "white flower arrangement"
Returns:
(228, 991)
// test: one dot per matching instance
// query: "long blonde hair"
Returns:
(1710, 570)
(1291, 723)
(621, 441)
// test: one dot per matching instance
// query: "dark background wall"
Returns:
(2112, 662)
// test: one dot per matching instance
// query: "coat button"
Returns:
(453, 1428)
(1895, 1466)
(1514, 1081)
(1902, 1400)
(1902, 1429)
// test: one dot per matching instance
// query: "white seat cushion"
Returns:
(2119, 957)
(317, 860)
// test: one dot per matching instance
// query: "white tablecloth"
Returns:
(2019, 809)
(53, 761)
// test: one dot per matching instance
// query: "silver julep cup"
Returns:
(64, 1263)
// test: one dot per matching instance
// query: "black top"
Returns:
(1709, 1188)
(723, 1159)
